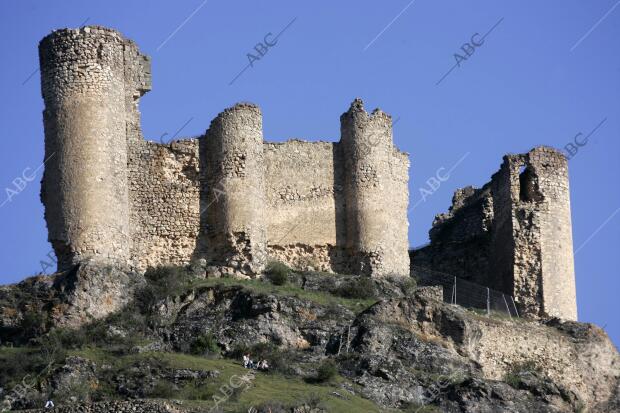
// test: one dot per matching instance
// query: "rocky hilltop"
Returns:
(173, 340)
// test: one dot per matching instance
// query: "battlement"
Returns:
(227, 197)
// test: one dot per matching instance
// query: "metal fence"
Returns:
(466, 293)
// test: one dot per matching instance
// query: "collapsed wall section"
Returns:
(460, 239)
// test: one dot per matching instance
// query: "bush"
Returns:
(270, 406)
(408, 286)
(161, 282)
(15, 364)
(362, 288)
(205, 344)
(513, 376)
(277, 272)
(327, 370)
(168, 280)
(33, 323)
(314, 401)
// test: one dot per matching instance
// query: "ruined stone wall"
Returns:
(164, 189)
(461, 239)
(544, 189)
(512, 235)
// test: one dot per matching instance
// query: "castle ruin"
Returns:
(227, 197)
(235, 201)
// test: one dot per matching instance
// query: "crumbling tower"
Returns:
(234, 196)
(89, 77)
(513, 235)
(376, 228)
(542, 232)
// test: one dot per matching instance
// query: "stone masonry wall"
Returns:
(234, 189)
(461, 239)
(303, 185)
(544, 193)
(164, 188)
(304, 194)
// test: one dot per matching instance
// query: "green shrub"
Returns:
(205, 344)
(327, 370)
(361, 288)
(513, 376)
(314, 401)
(19, 363)
(277, 272)
(33, 323)
(408, 286)
(161, 282)
(269, 406)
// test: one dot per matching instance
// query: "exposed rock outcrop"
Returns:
(401, 352)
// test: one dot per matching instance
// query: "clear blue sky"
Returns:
(548, 71)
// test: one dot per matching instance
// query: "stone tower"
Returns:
(91, 79)
(376, 226)
(543, 271)
(235, 191)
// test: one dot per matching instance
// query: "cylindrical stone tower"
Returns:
(234, 196)
(548, 185)
(376, 194)
(84, 186)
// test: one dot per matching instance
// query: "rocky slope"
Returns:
(394, 345)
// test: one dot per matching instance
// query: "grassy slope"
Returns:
(265, 387)
(290, 290)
